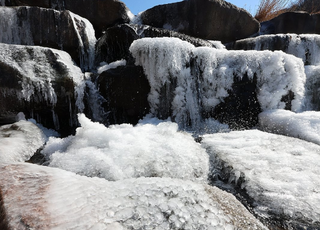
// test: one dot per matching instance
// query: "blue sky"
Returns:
(137, 6)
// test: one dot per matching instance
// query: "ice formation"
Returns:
(34, 66)
(304, 46)
(87, 41)
(20, 141)
(124, 151)
(105, 66)
(63, 200)
(279, 173)
(312, 94)
(305, 126)
(187, 80)
(15, 30)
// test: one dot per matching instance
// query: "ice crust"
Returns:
(124, 151)
(20, 141)
(279, 173)
(305, 126)
(304, 46)
(37, 74)
(201, 77)
(64, 200)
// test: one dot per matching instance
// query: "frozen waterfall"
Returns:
(187, 81)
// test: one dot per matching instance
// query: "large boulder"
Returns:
(114, 44)
(42, 83)
(292, 22)
(101, 13)
(39, 197)
(277, 175)
(50, 28)
(207, 19)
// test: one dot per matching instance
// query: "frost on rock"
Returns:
(280, 174)
(63, 200)
(305, 126)
(187, 81)
(304, 46)
(39, 26)
(124, 151)
(38, 69)
(20, 141)
(312, 86)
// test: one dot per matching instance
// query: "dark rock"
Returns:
(125, 90)
(207, 19)
(41, 84)
(114, 44)
(241, 108)
(50, 28)
(101, 13)
(292, 22)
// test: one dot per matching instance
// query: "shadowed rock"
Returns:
(125, 90)
(292, 22)
(207, 19)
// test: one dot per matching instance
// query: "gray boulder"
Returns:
(207, 19)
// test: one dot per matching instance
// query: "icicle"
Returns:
(87, 41)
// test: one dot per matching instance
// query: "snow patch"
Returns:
(124, 151)
(280, 174)
(305, 126)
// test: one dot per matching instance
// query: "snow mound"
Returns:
(190, 81)
(305, 126)
(20, 141)
(124, 151)
(312, 94)
(280, 174)
(63, 200)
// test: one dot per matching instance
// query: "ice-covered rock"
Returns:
(207, 19)
(312, 94)
(102, 14)
(46, 198)
(279, 174)
(20, 141)
(188, 83)
(305, 126)
(304, 46)
(42, 83)
(124, 151)
(115, 42)
(50, 28)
